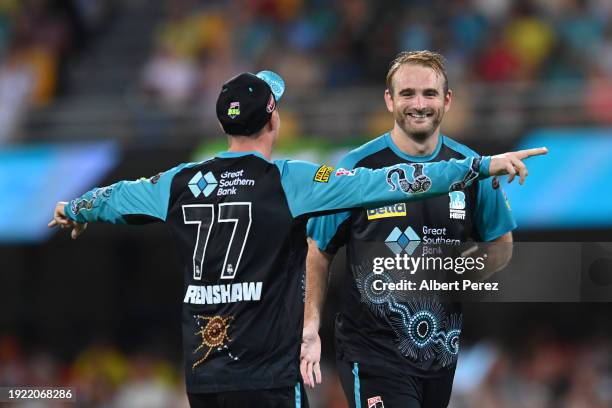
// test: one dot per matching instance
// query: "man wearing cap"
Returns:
(239, 221)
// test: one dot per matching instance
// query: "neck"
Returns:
(249, 144)
(414, 147)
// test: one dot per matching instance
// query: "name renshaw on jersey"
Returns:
(229, 293)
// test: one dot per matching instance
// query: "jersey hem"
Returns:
(498, 233)
(391, 368)
(263, 385)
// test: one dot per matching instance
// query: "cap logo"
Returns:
(234, 110)
(271, 104)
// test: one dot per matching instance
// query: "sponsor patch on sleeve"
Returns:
(323, 173)
(344, 172)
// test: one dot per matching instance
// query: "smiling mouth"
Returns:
(419, 115)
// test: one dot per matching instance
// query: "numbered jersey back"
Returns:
(242, 255)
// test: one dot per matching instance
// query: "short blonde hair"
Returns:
(423, 58)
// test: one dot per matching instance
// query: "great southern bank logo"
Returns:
(400, 241)
(202, 184)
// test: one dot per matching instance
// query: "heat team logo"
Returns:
(376, 402)
(456, 205)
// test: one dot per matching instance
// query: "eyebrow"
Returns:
(413, 89)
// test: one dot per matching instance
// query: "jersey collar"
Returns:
(229, 155)
(408, 157)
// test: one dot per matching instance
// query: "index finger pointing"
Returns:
(538, 151)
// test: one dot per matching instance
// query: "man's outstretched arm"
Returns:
(125, 202)
(311, 189)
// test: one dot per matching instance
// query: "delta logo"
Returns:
(397, 210)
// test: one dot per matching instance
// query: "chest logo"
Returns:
(397, 210)
(420, 184)
(400, 241)
(456, 205)
(202, 184)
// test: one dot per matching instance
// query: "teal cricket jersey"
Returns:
(398, 332)
(239, 224)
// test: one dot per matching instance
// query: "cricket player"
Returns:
(239, 223)
(389, 352)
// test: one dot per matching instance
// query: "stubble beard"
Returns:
(422, 134)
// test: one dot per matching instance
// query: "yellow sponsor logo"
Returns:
(397, 210)
(323, 173)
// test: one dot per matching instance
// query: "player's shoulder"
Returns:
(294, 166)
(367, 149)
(179, 170)
(458, 147)
(190, 165)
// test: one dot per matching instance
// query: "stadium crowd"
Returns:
(319, 45)
(547, 372)
(38, 40)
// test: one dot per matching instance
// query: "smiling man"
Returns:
(238, 221)
(386, 354)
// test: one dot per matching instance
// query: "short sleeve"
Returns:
(493, 213)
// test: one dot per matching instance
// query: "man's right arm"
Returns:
(125, 202)
(317, 276)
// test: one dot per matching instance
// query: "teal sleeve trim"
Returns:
(485, 164)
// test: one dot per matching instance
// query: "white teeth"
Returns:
(416, 115)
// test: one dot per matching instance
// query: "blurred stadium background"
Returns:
(92, 91)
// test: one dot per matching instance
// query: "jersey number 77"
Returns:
(203, 215)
